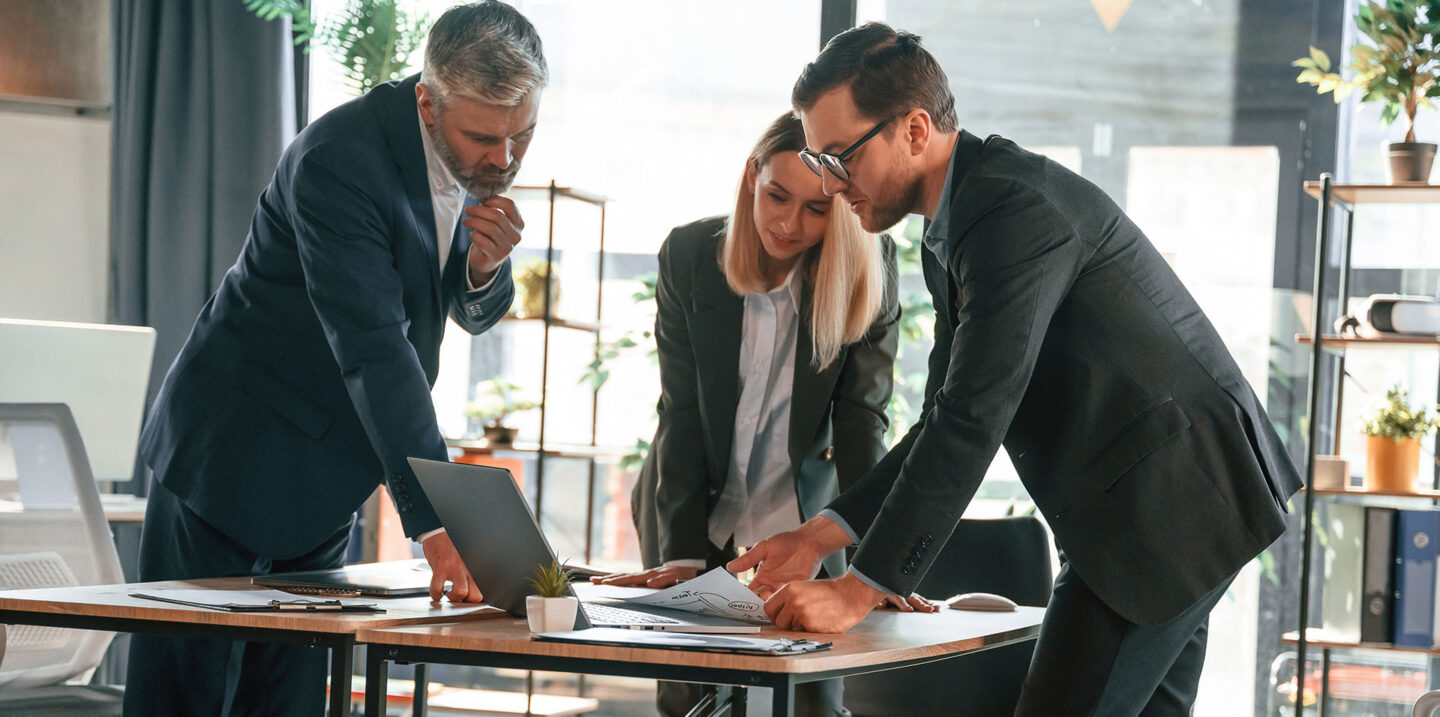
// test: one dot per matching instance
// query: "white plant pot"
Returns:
(551, 614)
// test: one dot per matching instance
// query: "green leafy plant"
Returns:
(1396, 420)
(497, 398)
(551, 581)
(372, 39)
(1398, 65)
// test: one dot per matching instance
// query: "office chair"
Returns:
(1006, 556)
(53, 533)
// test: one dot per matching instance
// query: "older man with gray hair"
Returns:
(306, 379)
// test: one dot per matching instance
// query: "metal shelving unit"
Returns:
(1333, 347)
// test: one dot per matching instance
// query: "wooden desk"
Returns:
(884, 641)
(110, 607)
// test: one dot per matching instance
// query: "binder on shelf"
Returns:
(1341, 596)
(1378, 576)
(1416, 535)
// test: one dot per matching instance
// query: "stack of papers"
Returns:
(716, 593)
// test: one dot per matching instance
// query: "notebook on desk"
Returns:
(686, 641)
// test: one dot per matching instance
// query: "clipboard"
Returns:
(254, 601)
(730, 644)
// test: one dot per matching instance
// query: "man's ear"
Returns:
(919, 130)
(425, 103)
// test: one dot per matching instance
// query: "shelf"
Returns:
(1426, 493)
(479, 446)
(1332, 340)
(589, 326)
(1317, 637)
(1352, 194)
(573, 193)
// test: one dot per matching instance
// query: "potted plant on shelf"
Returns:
(530, 278)
(1398, 67)
(1392, 448)
(551, 608)
(495, 399)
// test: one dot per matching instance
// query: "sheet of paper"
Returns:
(715, 593)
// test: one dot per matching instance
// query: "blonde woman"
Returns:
(776, 329)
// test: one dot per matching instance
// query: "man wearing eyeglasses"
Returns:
(1061, 333)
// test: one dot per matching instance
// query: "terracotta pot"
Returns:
(1391, 464)
(1410, 162)
(547, 614)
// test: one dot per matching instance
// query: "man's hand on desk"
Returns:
(445, 564)
(792, 555)
(661, 577)
(829, 606)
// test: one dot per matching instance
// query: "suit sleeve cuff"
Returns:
(686, 563)
(428, 535)
(844, 525)
(862, 578)
(471, 288)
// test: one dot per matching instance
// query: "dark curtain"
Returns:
(205, 100)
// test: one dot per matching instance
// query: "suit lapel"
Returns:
(811, 392)
(409, 153)
(715, 333)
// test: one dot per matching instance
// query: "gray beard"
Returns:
(481, 185)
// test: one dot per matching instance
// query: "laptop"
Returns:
(499, 541)
(393, 579)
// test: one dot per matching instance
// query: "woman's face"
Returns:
(791, 209)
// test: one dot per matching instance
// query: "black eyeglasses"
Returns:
(835, 163)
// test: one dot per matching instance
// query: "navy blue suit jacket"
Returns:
(306, 378)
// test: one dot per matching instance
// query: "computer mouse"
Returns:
(983, 602)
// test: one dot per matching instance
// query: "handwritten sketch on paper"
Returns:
(715, 593)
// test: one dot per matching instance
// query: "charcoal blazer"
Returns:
(837, 416)
(1061, 332)
(306, 378)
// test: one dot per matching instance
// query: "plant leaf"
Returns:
(1321, 59)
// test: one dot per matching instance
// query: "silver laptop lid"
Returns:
(487, 518)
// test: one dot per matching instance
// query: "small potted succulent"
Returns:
(552, 608)
(1392, 449)
(1398, 66)
(495, 399)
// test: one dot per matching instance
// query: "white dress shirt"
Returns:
(447, 197)
(759, 498)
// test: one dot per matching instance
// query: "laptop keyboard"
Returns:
(607, 615)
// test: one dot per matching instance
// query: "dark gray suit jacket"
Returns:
(1062, 332)
(837, 416)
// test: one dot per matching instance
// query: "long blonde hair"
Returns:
(845, 270)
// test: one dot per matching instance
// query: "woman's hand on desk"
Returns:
(661, 577)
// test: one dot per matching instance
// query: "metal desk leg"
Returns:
(737, 701)
(784, 700)
(1324, 700)
(342, 659)
(377, 670)
(422, 689)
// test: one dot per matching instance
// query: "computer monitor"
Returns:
(101, 372)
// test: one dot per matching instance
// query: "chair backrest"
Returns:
(1006, 556)
(53, 533)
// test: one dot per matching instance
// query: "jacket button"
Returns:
(404, 507)
(828, 454)
(925, 540)
(908, 569)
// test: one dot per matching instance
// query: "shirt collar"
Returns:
(939, 228)
(437, 174)
(790, 287)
